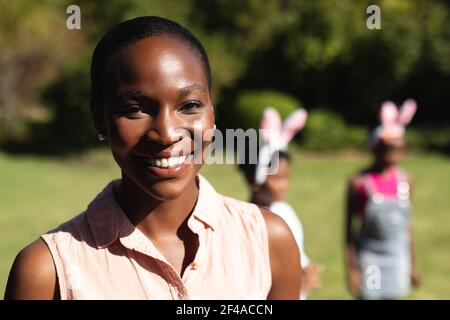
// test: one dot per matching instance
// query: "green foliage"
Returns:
(71, 127)
(325, 130)
(249, 106)
(356, 137)
(319, 52)
(33, 42)
(415, 139)
(428, 138)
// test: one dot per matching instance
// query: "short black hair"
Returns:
(249, 169)
(130, 31)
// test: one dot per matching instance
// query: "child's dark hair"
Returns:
(130, 31)
(249, 169)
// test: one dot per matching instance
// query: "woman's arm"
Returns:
(352, 207)
(33, 275)
(284, 259)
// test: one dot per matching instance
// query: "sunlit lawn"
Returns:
(38, 193)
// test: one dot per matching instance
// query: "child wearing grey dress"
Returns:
(379, 246)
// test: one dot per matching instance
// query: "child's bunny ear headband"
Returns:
(276, 136)
(393, 121)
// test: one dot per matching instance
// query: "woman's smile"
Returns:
(165, 167)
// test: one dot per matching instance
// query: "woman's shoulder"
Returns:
(282, 207)
(96, 217)
(277, 228)
(239, 206)
(33, 274)
(75, 228)
(244, 213)
(275, 225)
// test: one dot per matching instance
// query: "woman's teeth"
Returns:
(166, 162)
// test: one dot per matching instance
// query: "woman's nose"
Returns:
(165, 128)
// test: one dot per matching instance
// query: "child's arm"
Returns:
(352, 207)
(33, 275)
(311, 277)
(415, 275)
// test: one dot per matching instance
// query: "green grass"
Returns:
(37, 194)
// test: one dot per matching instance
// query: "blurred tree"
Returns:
(249, 107)
(32, 45)
(320, 52)
(71, 128)
(327, 56)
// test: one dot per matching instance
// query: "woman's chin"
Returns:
(166, 190)
(162, 184)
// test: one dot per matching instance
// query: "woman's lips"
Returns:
(165, 162)
(166, 167)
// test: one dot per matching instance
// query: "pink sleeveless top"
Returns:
(100, 255)
(385, 185)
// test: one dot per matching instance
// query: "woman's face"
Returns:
(158, 93)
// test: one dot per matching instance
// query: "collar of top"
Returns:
(108, 222)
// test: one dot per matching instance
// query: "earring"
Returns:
(101, 137)
(215, 126)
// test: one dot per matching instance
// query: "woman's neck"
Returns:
(152, 216)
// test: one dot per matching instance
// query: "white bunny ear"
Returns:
(293, 124)
(407, 112)
(388, 113)
(264, 157)
(270, 124)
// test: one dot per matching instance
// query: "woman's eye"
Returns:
(132, 111)
(191, 106)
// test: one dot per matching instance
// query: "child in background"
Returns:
(269, 181)
(380, 255)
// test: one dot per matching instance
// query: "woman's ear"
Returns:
(407, 112)
(388, 113)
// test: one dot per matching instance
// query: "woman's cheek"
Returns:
(126, 133)
(202, 132)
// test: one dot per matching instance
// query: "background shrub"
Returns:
(249, 106)
(325, 130)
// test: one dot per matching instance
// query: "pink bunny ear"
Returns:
(407, 112)
(270, 123)
(388, 113)
(293, 124)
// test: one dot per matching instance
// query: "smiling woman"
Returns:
(161, 231)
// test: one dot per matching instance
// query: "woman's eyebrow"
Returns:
(182, 92)
(140, 94)
(132, 94)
